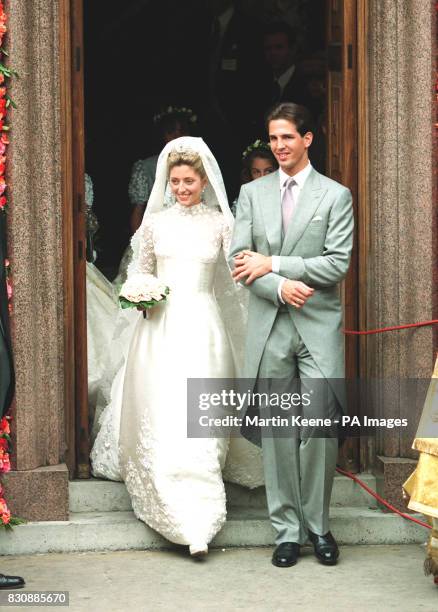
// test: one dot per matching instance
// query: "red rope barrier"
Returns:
(380, 499)
(392, 328)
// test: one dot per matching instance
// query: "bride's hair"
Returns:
(186, 158)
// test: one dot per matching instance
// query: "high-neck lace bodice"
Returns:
(186, 234)
(193, 211)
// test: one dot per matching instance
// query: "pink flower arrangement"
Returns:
(5, 515)
(6, 518)
(4, 105)
(5, 465)
(4, 427)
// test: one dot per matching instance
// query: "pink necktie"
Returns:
(287, 203)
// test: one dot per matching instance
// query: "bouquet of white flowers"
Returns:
(142, 291)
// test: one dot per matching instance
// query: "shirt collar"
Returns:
(300, 177)
(225, 18)
(284, 78)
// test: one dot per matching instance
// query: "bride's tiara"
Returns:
(176, 110)
(180, 147)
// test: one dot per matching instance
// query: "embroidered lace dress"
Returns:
(175, 482)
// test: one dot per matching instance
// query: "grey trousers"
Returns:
(298, 472)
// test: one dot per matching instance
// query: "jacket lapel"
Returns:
(271, 209)
(308, 202)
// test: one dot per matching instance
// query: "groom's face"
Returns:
(288, 146)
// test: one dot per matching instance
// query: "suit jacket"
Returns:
(269, 94)
(316, 250)
(295, 91)
(236, 61)
(6, 364)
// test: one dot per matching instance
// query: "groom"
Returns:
(291, 247)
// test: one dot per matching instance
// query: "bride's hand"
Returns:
(251, 265)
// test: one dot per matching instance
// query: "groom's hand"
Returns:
(251, 265)
(296, 293)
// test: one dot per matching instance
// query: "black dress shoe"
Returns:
(286, 554)
(325, 547)
(11, 582)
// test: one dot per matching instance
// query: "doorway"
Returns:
(129, 62)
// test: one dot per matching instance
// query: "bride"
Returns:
(175, 482)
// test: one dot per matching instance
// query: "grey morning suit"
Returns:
(283, 341)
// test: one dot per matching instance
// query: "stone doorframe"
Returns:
(397, 253)
(402, 266)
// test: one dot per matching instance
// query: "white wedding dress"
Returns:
(102, 308)
(175, 482)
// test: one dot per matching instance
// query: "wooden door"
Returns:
(79, 225)
(343, 139)
(73, 163)
(342, 163)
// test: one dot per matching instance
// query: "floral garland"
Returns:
(6, 520)
(258, 144)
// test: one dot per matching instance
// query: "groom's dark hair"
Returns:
(295, 113)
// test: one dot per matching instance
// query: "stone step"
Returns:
(99, 531)
(105, 496)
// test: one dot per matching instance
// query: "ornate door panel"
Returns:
(342, 142)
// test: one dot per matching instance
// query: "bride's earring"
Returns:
(202, 196)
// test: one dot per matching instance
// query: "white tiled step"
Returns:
(245, 527)
(104, 496)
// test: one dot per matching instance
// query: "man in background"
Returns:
(286, 81)
(235, 85)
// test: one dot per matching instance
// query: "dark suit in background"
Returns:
(235, 58)
(6, 364)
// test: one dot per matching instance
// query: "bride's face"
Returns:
(186, 185)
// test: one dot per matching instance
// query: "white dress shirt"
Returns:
(224, 21)
(284, 78)
(299, 178)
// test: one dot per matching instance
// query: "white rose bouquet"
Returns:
(142, 291)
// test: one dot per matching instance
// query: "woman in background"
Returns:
(257, 161)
